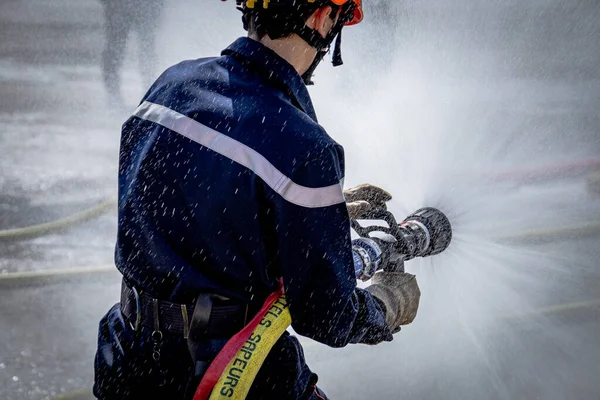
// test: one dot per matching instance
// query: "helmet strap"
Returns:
(323, 48)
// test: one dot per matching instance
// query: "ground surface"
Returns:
(59, 145)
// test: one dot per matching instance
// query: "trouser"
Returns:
(121, 17)
(138, 365)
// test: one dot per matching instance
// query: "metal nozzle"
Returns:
(425, 232)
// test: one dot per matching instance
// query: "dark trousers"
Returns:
(132, 365)
(122, 17)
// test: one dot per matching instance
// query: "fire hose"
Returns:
(59, 225)
(424, 233)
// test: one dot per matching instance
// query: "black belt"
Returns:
(221, 317)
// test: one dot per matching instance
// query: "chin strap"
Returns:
(336, 58)
(314, 39)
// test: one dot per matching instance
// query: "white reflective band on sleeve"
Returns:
(241, 154)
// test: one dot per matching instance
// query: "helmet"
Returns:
(352, 12)
(283, 17)
(357, 15)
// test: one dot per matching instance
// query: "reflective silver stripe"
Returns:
(242, 154)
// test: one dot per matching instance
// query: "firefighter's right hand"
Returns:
(400, 294)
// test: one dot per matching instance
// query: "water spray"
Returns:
(424, 233)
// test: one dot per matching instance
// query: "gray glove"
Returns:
(365, 197)
(400, 294)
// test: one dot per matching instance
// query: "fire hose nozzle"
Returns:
(430, 230)
(424, 233)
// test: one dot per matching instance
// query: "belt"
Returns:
(221, 317)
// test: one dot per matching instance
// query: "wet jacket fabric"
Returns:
(227, 183)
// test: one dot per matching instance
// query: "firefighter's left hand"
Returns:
(400, 294)
(363, 198)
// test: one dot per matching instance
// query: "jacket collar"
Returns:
(277, 69)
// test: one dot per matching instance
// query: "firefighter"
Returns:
(227, 186)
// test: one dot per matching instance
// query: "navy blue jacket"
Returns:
(227, 183)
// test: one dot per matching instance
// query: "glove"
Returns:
(363, 198)
(399, 292)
